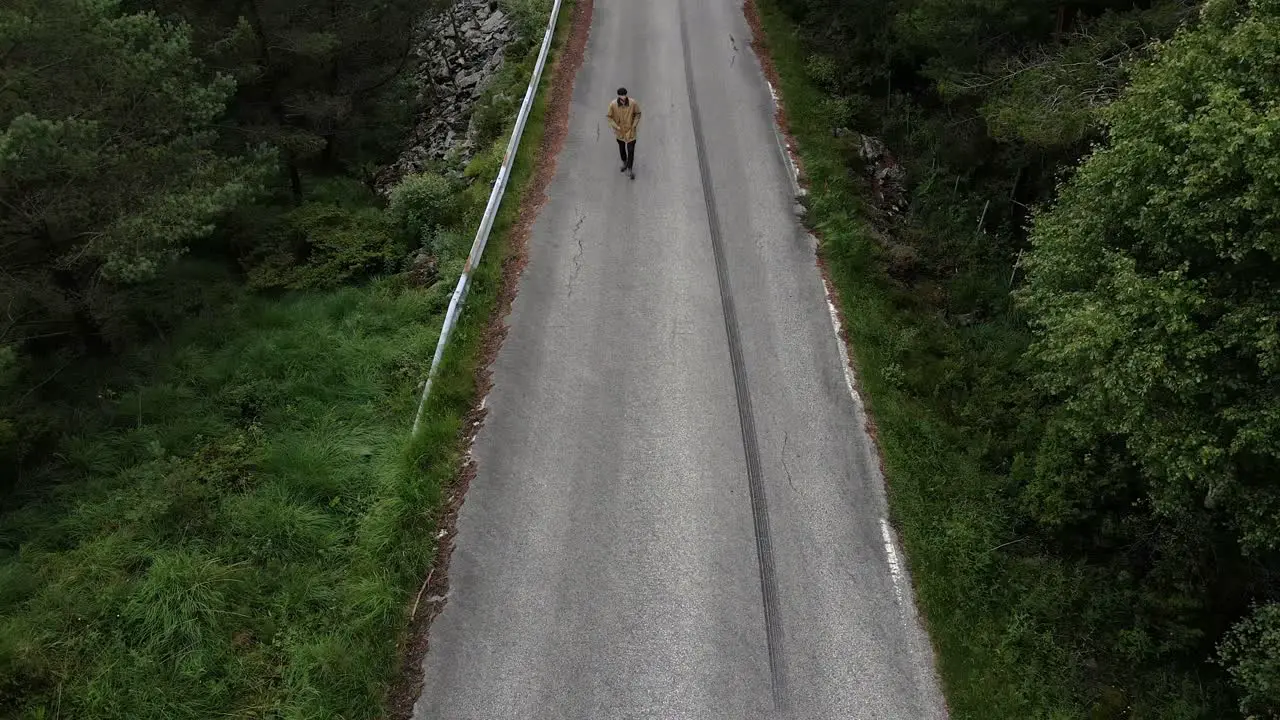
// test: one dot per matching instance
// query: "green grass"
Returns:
(1013, 626)
(240, 520)
(233, 533)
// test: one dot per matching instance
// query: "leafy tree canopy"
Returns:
(1154, 290)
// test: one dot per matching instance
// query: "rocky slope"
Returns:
(458, 53)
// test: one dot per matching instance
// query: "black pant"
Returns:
(628, 152)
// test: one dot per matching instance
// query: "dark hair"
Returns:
(622, 91)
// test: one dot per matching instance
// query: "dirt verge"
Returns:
(431, 597)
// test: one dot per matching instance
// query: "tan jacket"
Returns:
(624, 120)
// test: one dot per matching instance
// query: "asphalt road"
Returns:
(677, 513)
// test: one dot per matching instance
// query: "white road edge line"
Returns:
(784, 147)
(844, 351)
(895, 567)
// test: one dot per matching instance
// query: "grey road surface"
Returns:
(677, 513)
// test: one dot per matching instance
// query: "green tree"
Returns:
(1154, 293)
(107, 166)
(106, 170)
(323, 81)
(1051, 94)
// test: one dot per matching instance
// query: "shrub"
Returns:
(1251, 653)
(485, 165)
(450, 245)
(492, 119)
(529, 18)
(422, 202)
(339, 234)
(322, 245)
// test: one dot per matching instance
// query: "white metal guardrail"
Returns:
(490, 212)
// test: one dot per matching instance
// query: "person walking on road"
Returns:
(624, 118)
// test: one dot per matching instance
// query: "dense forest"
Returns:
(1077, 321)
(218, 311)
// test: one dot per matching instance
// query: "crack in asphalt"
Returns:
(577, 258)
(733, 44)
(786, 436)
